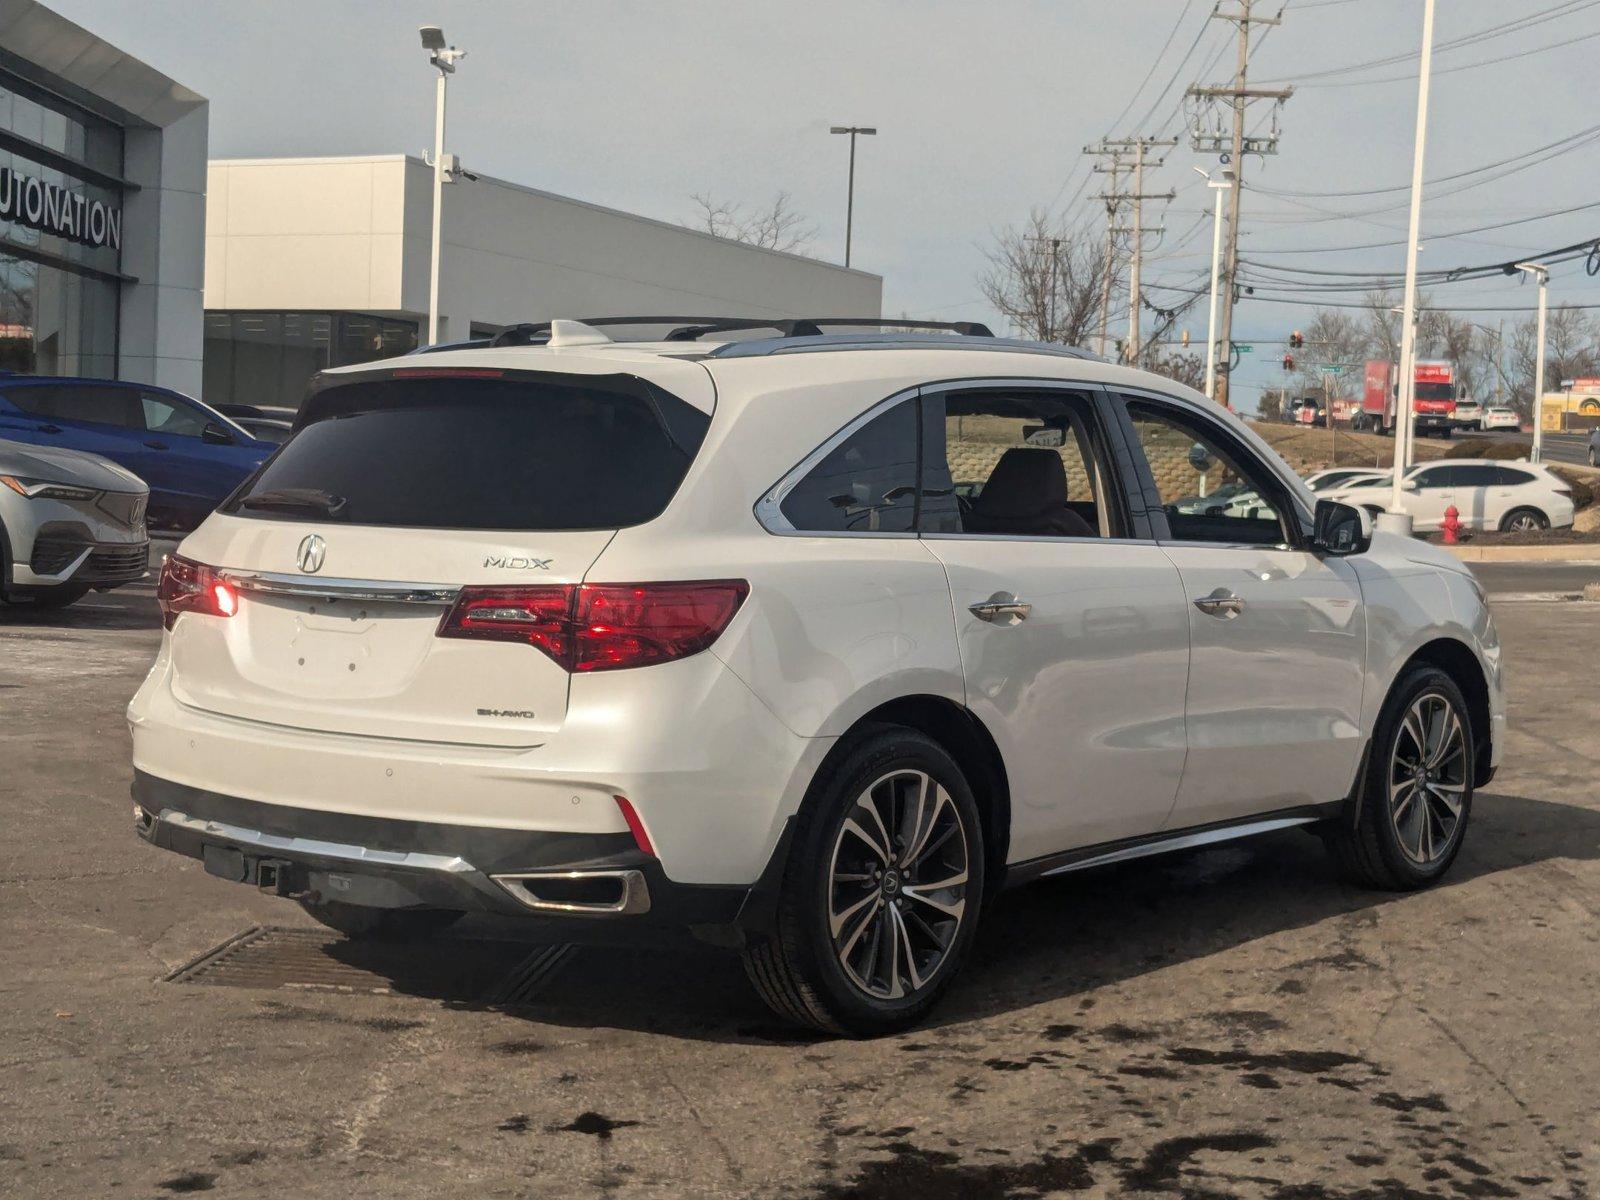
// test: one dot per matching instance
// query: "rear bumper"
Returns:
(385, 863)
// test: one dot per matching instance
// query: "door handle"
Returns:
(1002, 608)
(1221, 604)
(48, 428)
(157, 445)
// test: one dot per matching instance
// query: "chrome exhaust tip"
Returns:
(616, 893)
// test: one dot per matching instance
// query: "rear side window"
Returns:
(520, 452)
(1511, 477)
(76, 402)
(865, 484)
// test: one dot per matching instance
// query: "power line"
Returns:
(1560, 212)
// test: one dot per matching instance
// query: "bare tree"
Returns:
(776, 227)
(1571, 349)
(1187, 369)
(1046, 280)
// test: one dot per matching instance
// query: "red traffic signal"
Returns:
(1297, 339)
(1288, 362)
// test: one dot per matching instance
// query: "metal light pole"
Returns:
(444, 58)
(1542, 273)
(850, 194)
(1216, 264)
(1398, 520)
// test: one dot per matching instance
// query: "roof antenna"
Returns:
(575, 333)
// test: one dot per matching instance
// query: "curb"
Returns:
(1578, 554)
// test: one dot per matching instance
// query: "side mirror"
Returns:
(215, 435)
(1341, 529)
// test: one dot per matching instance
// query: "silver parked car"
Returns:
(69, 522)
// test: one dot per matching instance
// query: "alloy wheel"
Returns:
(897, 884)
(1524, 523)
(1428, 778)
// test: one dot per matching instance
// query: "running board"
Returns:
(1186, 839)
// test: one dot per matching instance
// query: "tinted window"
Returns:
(1436, 477)
(866, 484)
(472, 453)
(1511, 477)
(75, 402)
(1476, 476)
(1210, 490)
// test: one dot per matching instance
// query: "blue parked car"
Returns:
(190, 455)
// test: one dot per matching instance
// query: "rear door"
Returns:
(1277, 633)
(194, 475)
(1071, 622)
(348, 548)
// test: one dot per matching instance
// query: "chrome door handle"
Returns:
(1002, 608)
(1221, 603)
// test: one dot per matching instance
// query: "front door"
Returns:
(1277, 633)
(1073, 634)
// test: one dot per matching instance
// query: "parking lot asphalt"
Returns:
(1237, 1022)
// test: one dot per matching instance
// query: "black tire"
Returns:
(1517, 515)
(1370, 851)
(359, 922)
(797, 969)
(60, 597)
(1594, 457)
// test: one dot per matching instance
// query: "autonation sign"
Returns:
(51, 208)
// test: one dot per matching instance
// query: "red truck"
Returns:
(1435, 400)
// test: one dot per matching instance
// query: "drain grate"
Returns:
(467, 972)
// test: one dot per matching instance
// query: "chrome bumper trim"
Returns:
(256, 839)
(370, 590)
(634, 898)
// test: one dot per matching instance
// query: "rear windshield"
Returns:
(520, 452)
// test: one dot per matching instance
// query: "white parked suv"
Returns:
(809, 643)
(1519, 496)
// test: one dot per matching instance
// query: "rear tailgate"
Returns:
(346, 552)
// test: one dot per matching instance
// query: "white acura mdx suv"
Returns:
(808, 643)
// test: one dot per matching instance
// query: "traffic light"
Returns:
(1288, 362)
(1296, 340)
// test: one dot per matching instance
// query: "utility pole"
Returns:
(1237, 96)
(1114, 169)
(1139, 147)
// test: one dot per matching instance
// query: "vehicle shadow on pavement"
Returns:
(1051, 940)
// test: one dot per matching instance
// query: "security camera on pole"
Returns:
(444, 58)
(1397, 520)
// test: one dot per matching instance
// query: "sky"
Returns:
(983, 111)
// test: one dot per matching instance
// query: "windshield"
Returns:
(514, 452)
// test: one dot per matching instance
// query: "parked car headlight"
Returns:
(44, 489)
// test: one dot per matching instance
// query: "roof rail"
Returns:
(690, 329)
(761, 347)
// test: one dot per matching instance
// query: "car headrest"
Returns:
(1027, 481)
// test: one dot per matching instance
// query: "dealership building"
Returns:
(322, 262)
(102, 207)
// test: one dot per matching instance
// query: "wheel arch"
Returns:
(1457, 660)
(970, 743)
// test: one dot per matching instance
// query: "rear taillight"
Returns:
(600, 627)
(188, 586)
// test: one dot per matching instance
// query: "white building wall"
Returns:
(353, 234)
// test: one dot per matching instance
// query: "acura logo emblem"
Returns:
(310, 555)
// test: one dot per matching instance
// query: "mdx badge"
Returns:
(311, 553)
(517, 562)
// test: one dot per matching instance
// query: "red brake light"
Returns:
(600, 627)
(188, 586)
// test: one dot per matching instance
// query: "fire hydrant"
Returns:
(1451, 526)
